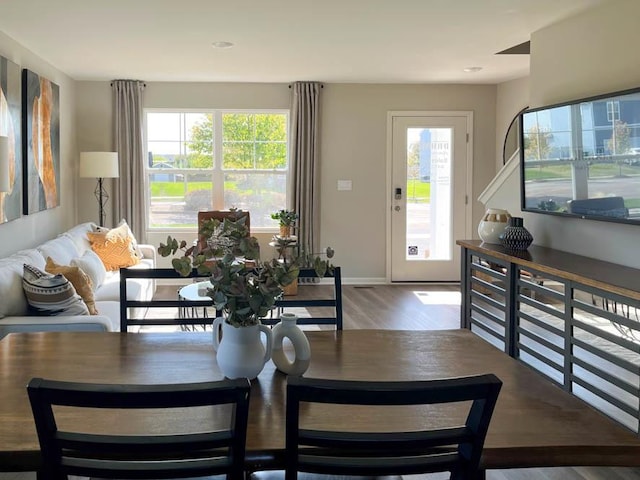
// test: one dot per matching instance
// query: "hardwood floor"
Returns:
(416, 307)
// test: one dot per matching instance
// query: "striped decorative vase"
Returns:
(493, 224)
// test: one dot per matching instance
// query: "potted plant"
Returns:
(287, 219)
(290, 254)
(244, 289)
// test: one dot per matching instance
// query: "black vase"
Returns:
(515, 236)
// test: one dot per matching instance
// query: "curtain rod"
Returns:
(143, 83)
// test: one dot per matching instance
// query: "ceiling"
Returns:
(347, 41)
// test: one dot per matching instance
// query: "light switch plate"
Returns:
(344, 184)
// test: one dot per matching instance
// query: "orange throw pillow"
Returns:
(80, 281)
(115, 247)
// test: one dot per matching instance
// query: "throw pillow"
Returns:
(50, 294)
(91, 264)
(79, 279)
(125, 227)
(115, 247)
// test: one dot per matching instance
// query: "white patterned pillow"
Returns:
(51, 294)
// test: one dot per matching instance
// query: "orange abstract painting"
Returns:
(41, 125)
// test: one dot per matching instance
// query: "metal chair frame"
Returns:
(456, 449)
(141, 455)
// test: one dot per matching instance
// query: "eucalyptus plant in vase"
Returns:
(242, 287)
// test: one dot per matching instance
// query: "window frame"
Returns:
(217, 171)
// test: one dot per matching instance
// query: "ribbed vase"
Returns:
(515, 236)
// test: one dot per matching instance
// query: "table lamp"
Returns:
(5, 184)
(99, 165)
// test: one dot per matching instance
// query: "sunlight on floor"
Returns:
(438, 297)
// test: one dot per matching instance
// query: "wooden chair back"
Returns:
(453, 448)
(81, 448)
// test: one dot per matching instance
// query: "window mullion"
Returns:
(218, 174)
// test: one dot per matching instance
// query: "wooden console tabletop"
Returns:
(535, 423)
(607, 276)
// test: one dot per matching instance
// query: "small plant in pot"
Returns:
(287, 219)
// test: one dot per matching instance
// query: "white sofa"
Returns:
(14, 312)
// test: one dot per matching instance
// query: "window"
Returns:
(613, 111)
(215, 160)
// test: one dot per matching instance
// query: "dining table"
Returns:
(535, 423)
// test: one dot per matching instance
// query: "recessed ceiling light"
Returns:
(472, 69)
(222, 44)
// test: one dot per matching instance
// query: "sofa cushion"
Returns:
(115, 247)
(91, 264)
(78, 278)
(51, 294)
(79, 236)
(110, 289)
(61, 249)
(12, 298)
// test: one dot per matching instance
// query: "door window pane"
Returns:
(428, 194)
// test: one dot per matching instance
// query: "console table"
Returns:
(572, 318)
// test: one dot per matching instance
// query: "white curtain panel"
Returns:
(129, 202)
(305, 162)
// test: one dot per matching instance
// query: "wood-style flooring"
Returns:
(416, 307)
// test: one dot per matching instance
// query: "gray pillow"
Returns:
(51, 294)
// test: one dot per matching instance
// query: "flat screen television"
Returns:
(581, 159)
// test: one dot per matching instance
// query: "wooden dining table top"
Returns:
(535, 423)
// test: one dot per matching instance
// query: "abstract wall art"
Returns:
(41, 143)
(10, 108)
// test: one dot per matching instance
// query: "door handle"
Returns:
(397, 208)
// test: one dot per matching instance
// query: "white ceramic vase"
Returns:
(288, 329)
(240, 352)
(493, 224)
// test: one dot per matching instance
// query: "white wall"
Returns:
(512, 97)
(31, 230)
(94, 112)
(586, 55)
(353, 146)
(589, 54)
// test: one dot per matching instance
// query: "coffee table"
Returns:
(194, 292)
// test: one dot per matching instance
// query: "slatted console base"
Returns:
(574, 319)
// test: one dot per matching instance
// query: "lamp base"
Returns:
(102, 196)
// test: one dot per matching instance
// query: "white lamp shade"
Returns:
(99, 164)
(5, 184)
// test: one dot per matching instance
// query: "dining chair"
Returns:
(354, 451)
(221, 215)
(75, 439)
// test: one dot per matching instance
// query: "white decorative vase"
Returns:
(240, 352)
(493, 224)
(287, 328)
